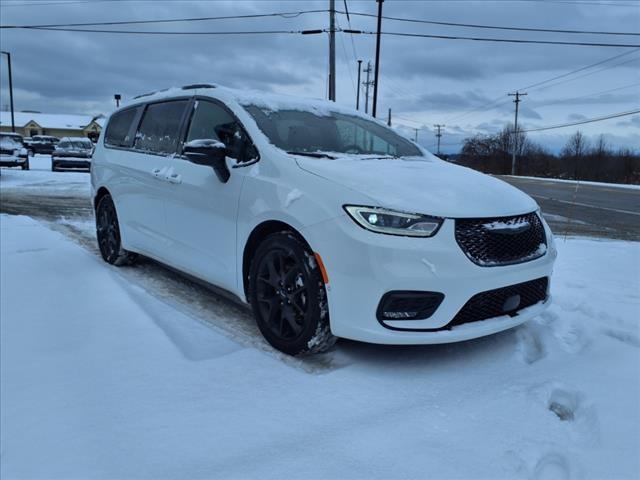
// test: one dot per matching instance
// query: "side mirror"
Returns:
(209, 152)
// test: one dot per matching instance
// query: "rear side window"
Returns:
(160, 127)
(117, 134)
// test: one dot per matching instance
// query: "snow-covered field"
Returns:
(101, 378)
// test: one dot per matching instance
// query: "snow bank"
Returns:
(100, 379)
(582, 182)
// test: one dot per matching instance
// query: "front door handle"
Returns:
(156, 172)
(174, 178)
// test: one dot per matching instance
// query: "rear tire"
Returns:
(108, 234)
(288, 297)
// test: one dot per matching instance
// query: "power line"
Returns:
(398, 34)
(586, 74)
(353, 44)
(498, 101)
(559, 101)
(578, 70)
(169, 20)
(39, 4)
(298, 13)
(582, 122)
(345, 59)
(410, 120)
(494, 27)
(142, 32)
(506, 40)
(576, 2)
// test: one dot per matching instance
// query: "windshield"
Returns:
(76, 144)
(11, 138)
(9, 142)
(310, 132)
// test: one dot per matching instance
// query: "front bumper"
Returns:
(362, 266)
(12, 161)
(71, 163)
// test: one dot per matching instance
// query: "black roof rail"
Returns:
(186, 87)
(144, 95)
(197, 86)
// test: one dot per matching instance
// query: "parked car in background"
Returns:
(13, 152)
(323, 219)
(72, 153)
(44, 144)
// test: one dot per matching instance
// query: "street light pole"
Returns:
(332, 50)
(358, 84)
(375, 80)
(13, 121)
(515, 131)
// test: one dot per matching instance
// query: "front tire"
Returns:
(288, 297)
(108, 234)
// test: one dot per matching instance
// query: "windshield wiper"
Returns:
(382, 157)
(311, 154)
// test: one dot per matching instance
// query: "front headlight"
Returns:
(391, 222)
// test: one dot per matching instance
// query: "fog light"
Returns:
(408, 305)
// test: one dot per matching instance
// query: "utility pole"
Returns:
(358, 92)
(375, 85)
(13, 121)
(515, 131)
(367, 84)
(389, 118)
(416, 138)
(332, 50)
(438, 136)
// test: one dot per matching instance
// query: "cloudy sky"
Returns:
(423, 80)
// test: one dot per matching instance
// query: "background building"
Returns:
(56, 124)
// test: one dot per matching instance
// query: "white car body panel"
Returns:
(201, 226)
(426, 185)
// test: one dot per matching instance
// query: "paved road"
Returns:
(585, 209)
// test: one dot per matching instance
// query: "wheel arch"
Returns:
(257, 236)
(102, 191)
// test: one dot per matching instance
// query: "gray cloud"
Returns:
(425, 81)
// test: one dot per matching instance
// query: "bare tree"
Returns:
(492, 154)
(575, 150)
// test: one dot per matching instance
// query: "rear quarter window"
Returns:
(119, 127)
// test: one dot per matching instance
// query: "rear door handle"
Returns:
(174, 178)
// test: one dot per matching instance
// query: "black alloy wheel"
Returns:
(288, 296)
(108, 234)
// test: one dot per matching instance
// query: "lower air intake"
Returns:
(502, 301)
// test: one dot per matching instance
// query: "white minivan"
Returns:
(327, 222)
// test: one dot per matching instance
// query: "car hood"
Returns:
(423, 185)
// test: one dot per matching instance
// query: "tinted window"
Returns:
(117, 134)
(211, 121)
(160, 127)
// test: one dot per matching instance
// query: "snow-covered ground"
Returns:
(102, 378)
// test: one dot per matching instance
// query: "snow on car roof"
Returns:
(74, 139)
(264, 100)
